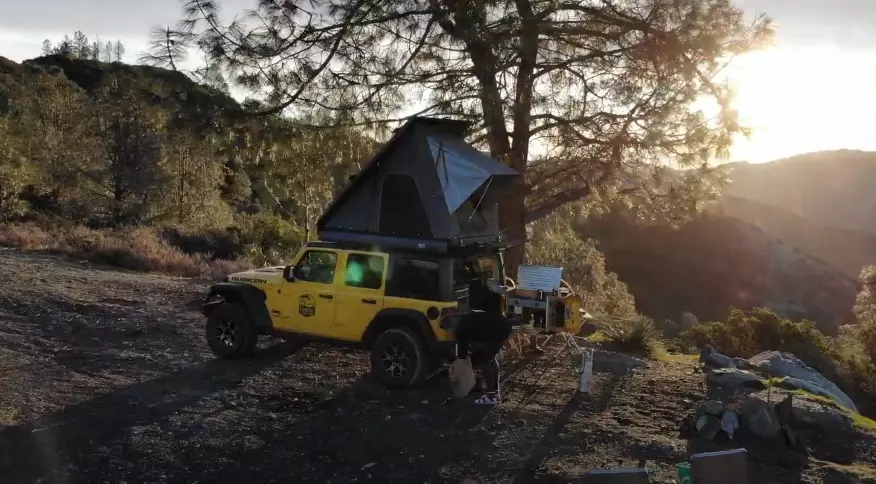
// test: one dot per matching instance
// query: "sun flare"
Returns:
(804, 99)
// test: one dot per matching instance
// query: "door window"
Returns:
(364, 271)
(317, 266)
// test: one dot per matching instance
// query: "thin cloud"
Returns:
(843, 23)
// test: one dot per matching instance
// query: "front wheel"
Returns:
(399, 358)
(230, 332)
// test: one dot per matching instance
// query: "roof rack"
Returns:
(372, 241)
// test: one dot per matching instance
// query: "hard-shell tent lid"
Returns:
(462, 170)
(473, 182)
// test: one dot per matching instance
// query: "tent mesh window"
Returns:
(401, 210)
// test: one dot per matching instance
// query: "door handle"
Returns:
(326, 296)
(369, 301)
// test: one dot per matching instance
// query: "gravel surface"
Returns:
(105, 377)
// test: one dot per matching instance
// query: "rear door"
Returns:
(360, 294)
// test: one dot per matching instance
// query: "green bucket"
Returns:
(684, 476)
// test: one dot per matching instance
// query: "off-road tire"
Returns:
(230, 332)
(399, 358)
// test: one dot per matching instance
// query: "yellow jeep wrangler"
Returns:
(392, 303)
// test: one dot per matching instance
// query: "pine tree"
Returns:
(96, 49)
(119, 50)
(81, 46)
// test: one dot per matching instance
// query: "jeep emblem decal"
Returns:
(306, 305)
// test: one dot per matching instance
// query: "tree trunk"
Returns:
(512, 215)
(512, 220)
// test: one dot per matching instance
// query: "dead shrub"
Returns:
(27, 237)
(139, 249)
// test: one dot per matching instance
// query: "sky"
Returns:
(812, 91)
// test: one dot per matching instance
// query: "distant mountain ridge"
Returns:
(824, 203)
(716, 263)
(848, 250)
(833, 188)
(791, 235)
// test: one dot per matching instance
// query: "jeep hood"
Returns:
(264, 275)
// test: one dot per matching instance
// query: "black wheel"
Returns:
(399, 358)
(230, 332)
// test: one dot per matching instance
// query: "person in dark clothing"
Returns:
(480, 336)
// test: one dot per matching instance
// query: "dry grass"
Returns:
(8, 416)
(638, 333)
(660, 353)
(861, 470)
(139, 249)
(858, 419)
(863, 422)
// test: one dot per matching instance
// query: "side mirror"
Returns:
(287, 273)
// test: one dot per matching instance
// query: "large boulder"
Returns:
(800, 375)
(827, 417)
(712, 359)
(760, 417)
(711, 407)
(708, 427)
(733, 378)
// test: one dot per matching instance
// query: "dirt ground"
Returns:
(105, 377)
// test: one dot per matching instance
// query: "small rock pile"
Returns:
(744, 383)
(714, 419)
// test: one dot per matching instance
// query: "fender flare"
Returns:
(252, 298)
(395, 317)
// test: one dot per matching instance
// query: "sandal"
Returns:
(489, 399)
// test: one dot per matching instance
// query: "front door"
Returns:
(308, 302)
(360, 294)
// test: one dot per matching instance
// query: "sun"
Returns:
(804, 99)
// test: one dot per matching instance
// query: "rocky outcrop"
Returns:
(731, 378)
(738, 373)
(616, 361)
(799, 375)
(711, 358)
(758, 418)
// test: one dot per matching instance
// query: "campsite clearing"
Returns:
(105, 378)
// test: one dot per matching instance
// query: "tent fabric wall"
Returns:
(449, 206)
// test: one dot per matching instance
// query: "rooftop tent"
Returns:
(426, 184)
(463, 170)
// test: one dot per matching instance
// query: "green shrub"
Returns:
(263, 238)
(638, 333)
(267, 238)
(553, 241)
(746, 334)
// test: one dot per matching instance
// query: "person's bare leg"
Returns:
(492, 394)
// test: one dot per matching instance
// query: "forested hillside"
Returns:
(715, 264)
(849, 250)
(112, 145)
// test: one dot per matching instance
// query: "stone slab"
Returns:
(617, 476)
(725, 467)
